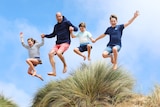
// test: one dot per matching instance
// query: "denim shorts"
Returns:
(109, 48)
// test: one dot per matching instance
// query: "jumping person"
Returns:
(34, 55)
(62, 32)
(84, 37)
(115, 33)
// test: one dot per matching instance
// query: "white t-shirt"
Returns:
(84, 37)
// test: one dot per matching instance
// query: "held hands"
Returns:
(42, 35)
(71, 29)
(93, 40)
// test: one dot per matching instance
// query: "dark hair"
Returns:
(82, 24)
(113, 16)
(34, 41)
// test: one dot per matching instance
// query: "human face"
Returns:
(59, 17)
(30, 43)
(113, 22)
(82, 28)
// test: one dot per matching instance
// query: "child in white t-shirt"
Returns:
(84, 37)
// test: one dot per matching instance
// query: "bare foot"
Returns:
(40, 77)
(34, 73)
(89, 59)
(84, 57)
(65, 69)
(52, 73)
(114, 66)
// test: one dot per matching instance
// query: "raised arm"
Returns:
(22, 40)
(132, 19)
(42, 43)
(21, 37)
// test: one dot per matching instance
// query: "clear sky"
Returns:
(140, 53)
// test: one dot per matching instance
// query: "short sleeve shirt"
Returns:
(115, 34)
(84, 37)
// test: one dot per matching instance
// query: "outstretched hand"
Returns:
(21, 34)
(136, 13)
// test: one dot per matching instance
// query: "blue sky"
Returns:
(140, 53)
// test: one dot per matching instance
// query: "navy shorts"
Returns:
(83, 48)
(39, 60)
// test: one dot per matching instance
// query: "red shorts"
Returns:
(61, 47)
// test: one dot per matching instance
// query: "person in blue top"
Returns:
(62, 32)
(115, 32)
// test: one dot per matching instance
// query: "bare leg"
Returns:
(112, 58)
(76, 50)
(30, 72)
(39, 76)
(115, 54)
(30, 62)
(52, 62)
(89, 51)
(105, 54)
(59, 54)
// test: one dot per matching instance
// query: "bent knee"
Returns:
(89, 46)
(28, 60)
(59, 53)
(50, 54)
(29, 73)
(75, 49)
(105, 54)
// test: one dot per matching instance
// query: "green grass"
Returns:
(6, 102)
(92, 85)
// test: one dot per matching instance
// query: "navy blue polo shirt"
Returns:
(115, 34)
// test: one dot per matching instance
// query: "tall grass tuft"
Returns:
(154, 98)
(90, 85)
(6, 102)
